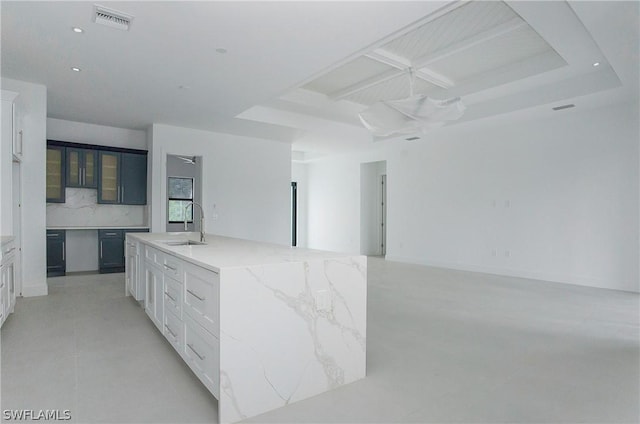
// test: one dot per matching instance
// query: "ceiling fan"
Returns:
(415, 113)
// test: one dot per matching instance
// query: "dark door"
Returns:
(133, 179)
(56, 261)
(111, 250)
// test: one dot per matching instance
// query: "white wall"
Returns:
(82, 251)
(32, 104)
(554, 199)
(334, 204)
(81, 132)
(246, 182)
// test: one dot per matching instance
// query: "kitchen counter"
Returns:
(4, 241)
(226, 252)
(261, 325)
(101, 227)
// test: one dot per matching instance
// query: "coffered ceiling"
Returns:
(299, 72)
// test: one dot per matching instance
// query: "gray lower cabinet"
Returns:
(111, 249)
(56, 257)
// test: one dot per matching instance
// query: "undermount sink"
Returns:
(184, 243)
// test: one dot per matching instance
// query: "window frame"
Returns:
(180, 199)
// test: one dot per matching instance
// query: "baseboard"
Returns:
(31, 291)
(532, 275)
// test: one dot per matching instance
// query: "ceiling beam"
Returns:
(403, 64)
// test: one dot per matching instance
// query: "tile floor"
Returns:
(443, 346)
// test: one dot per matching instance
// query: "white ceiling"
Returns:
(300, 71)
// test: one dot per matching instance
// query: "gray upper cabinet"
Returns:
(122, 178)
(133, 179)
(82, 168)
(55, 174)
(109, 177)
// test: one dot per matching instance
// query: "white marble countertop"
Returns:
(96, 227)
(226, 252)
(6, 239)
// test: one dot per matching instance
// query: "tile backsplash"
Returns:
(81, 208)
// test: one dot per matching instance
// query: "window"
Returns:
(180, 192)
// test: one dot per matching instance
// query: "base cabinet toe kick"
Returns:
(259, 336)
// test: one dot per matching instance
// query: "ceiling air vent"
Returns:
(569, 106)
(111, 18)
(412, 138)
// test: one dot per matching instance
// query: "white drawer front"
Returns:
(174, 332)
(201, 297)
(172, 266)
(202, 354)
(153, 255)
(172, 296)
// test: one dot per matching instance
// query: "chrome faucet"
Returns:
(201, 218)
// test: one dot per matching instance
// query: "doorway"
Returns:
(373, 208)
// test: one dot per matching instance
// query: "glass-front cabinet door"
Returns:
(74, 168)
(89, 174)
(109, 184)
(81, 168)
(55, 174)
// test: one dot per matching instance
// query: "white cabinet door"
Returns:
(153, 294)
(131, 269)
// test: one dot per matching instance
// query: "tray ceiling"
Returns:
(455, 49)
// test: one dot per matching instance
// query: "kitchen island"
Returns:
(261, 325)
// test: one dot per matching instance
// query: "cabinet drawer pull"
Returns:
(53, 235)
(100, 249)
(111, 234)
(170, 267)
(196, 352)
(195, 295)
(170, 297)
(63, 252)
(175, 336)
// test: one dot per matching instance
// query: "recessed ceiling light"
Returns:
(221, 50)
(596, 64)
(75, 69)
(78, 30)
